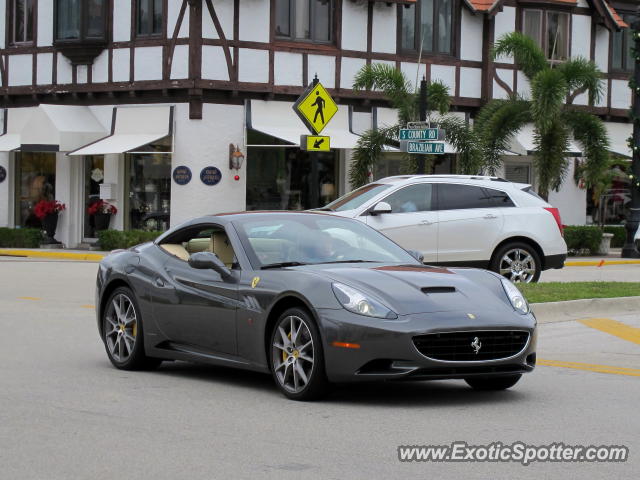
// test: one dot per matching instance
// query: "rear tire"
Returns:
(296, 357)
(493, 383)
(518, 262)
(123, 334)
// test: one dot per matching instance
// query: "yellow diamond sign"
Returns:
(315, 107)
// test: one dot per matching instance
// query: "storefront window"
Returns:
(286, 178)
(149, 186)
(93, 177)
(35, 181)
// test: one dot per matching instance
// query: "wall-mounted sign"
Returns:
(3, 174)
(210, 175)
(182, 175)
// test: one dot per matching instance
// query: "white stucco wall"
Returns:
(254, 20)
(505, 22)
(20, 69)
(354, 26)
(224, 11)
(470, 82)
(384, 28)
(214, 63)
(122, 20)
(325, 67)
(471, 36)
(3, 20)
(581, 36)
(253, 65)
(602, 48)
(620, 94)
(287, 68)
(415, 72)
(45, 25)
(202, 143)
(64, 71)
(45, 65)
(350, 67)
(446, 74)
(173, 11)
(148, 63)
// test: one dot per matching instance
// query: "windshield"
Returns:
(272, 240)
(357, 198)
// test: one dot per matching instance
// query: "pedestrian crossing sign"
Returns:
(315, 107)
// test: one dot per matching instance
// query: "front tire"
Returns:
(122, 332)
(493, 383)
(296, 356)
(517, 261)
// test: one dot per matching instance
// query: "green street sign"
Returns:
(418, 134)
(426, 148)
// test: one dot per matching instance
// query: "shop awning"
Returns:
(131, 128)
(619, 134)
(522, 143)
(14, 121)
(387, 117)
(279, 120)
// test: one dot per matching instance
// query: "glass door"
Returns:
(35, 181)
(93, 177)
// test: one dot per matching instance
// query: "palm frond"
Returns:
(550, 156)
(524, 50)
(367, 153)
(590, 132)
(438, 97)
(548, 94)
(387, 79)
(495, 125)
(582, 75)
(463, 137)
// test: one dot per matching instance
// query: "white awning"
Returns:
(522, 143)
(279, 120)
(131, 128)
(619, 134)
(14, 121)
(387, 117)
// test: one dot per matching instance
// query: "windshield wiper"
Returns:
(351, 261)
(282, 265)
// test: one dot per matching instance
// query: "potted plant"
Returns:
(101, 212)
(47, 212)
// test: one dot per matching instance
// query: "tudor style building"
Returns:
(107, 98)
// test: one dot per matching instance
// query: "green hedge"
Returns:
(20, 237)
(114, 239)
(583, 240)
(619, 236)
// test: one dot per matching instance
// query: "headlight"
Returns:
(515, 297)
(357, 302)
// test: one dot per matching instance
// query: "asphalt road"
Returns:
(65, 413)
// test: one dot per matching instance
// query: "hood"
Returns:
(410, 289)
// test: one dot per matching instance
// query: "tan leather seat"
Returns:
(176, 250)
(199, 245)
(222, 248)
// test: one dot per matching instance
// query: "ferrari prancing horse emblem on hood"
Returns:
(255, 281)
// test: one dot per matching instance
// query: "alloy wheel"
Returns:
(292, 354)
(518, 265)
(121, 328)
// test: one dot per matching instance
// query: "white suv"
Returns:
(476, 221)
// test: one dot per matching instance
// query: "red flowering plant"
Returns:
(47, 207)
(102, 207)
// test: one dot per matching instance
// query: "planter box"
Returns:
(605, 244)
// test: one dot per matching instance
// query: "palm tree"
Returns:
(398, 90)
(550, 109)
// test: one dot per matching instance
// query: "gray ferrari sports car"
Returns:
(312, 298)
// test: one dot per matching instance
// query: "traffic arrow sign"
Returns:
(315, 143)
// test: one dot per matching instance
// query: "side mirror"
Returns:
(379, 208)
(417, 255)
(209, 261)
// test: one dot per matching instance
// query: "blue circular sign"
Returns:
(210, 175)
(182, 175)
(3, 174)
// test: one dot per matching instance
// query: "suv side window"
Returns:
(414, 198)
(499, 198)
(457, 197)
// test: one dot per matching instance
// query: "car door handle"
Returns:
(159, 282)
(426, 223)
(490, 216)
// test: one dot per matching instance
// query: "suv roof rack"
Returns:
(465, 177)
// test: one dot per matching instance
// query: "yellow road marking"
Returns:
(613, 327)
(29, 298)
(632, 372)
(92, 307)
(596, 263)
(92, 257)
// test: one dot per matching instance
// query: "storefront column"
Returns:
(6, 192)
(114, 174)
(69, 192)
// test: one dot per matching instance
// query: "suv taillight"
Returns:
(556, 215)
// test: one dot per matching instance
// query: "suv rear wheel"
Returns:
(517, 261)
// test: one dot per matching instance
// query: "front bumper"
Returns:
(387, 351)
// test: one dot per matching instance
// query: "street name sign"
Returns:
(419, 134)
(315, 143)
(315, 107)
(425, 148)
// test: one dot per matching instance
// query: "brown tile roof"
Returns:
(616, 18)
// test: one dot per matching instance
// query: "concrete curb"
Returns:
(553, 312)
(89, 257)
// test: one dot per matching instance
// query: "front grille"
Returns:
(472, 345)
